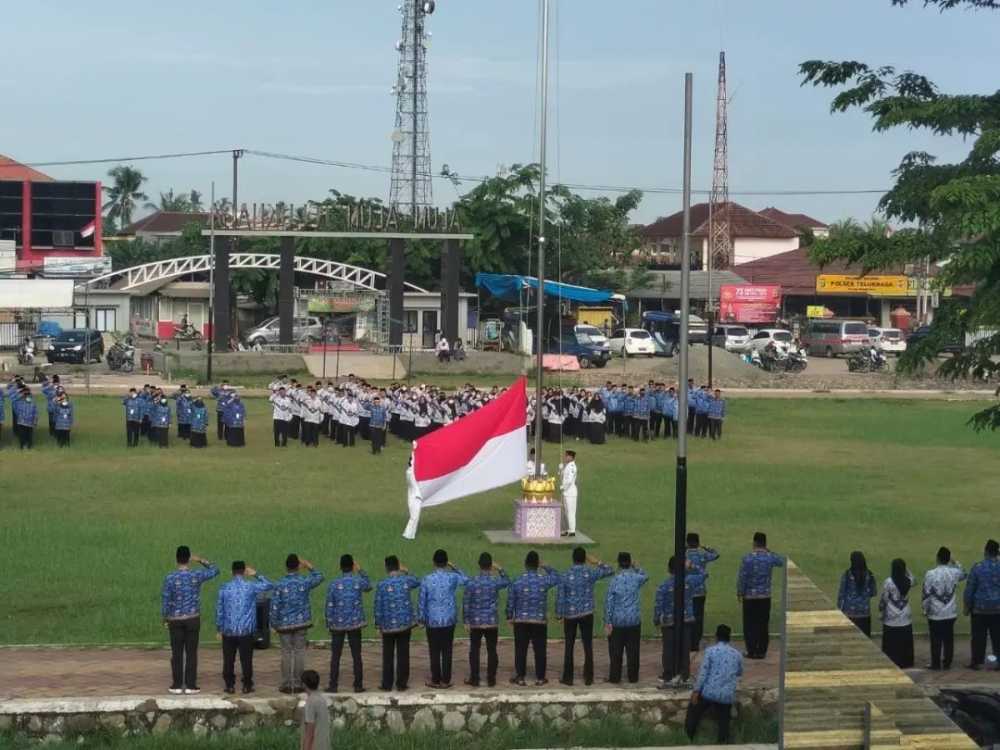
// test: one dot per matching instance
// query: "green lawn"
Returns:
(87, 533)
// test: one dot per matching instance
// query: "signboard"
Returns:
(348, 303)
(749, 303)
(876, 286)
(75, 266)
(363, 216)
(34, 294)
(816, 311)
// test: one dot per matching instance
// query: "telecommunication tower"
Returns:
(720, 241)
(410, 188)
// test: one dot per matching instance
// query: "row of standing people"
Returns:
(24, 411)
(939, 602)
(148, 414)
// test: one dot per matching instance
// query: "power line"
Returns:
(599, 188)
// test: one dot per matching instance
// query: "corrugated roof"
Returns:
(744, 222)
(792, 220)
(667, 284)
(165, 222)
(15, 170)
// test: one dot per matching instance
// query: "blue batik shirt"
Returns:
(160, 415)
(663, 605)
(199, 419)
(982, 591)
(344, 607)
(700, 558)
(628, 405)
(436, 603)
(133, 409)
(64, 416)
(222, 397)
(26, 412)
(643, 404)
(754, 578)
(621, 602)
(854, 600)
(481, 598)
(378, 416)
(1, 407)
(614, 402)
(701, 405)
(235, 414)
(575, 595)
(290, 608)
(181, 594)
(394, 611)
(528, 600)
(717, 408)
(719, 674)
(184, 407)
(236, 608)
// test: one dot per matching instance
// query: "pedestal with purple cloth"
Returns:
(537, 517)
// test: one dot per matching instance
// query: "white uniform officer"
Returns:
(413, 502)
(569, 494)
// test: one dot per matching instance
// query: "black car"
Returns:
(949, 347)
(588, 355)
(73, 346)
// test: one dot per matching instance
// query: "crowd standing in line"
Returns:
(24, 412)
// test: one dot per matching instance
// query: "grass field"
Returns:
(87, 533)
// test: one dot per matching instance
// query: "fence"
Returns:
(12, 334)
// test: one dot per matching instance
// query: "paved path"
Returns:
(56, 672)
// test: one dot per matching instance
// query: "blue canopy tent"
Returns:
(509, 286)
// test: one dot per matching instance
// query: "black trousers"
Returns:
(864, 624)
(337, 648)
(183, 430)
(655, 419)
(52, 424)
(624, 641)
(715, 428)
(144, 426)
(942, 642)
(26, 436)
(293, 427)
(983, 624)
(585, 625)
(363, 428)
(220, 426)
(280, 433)
(640, 425)
(696, 711)
(440, 644)
(235, 437)
(701, 425)
(396, 659)
(698, 626)
(670, 669)
(756, 618)
(378, 439)
(897, 644)
(62, 438)
(184, 651)
(690, 419)
(132, 433)
(198, 440)
(534, 634)
(231, 645)
(669, 427)
(476, 638)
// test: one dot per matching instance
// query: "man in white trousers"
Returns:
(567, 477)
(413, 502)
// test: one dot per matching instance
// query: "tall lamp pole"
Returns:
(539, 316)
(680, 501)
(211, 286)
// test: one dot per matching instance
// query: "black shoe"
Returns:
(565, 533)
(974, 667)
(517, 681)
(588, 681)
(432, 685)
(491, 682)
(359, 689)
(472, 683)
(229, 690)
(384, 689)
(568, 683)
(539, 683)
(247, 689)
(330, 689)
(286, 689)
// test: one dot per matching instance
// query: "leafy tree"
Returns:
(124, 193)
(952, 210)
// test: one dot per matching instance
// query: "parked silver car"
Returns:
(303, 330)
(732, 338)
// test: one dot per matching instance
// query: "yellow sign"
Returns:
(876, 286)
(815, 311)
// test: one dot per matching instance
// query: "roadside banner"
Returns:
(749, 303)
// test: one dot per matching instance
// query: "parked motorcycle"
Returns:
(866, 361)
(796, 361)
(26, 353)
(187, 332)
(121, 356)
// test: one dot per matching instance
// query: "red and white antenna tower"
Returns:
(720, 241)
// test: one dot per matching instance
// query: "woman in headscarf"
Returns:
(596, 419)
(897, 619)
(857, 587)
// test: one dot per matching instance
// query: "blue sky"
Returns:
(88, 80)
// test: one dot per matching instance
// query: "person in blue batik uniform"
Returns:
(199, 424)
(753, 589)
(63, 416)
(222, 394)
(857, 588)
(133, 417)
(716, 414)
(663, 618)
(234, 416)
(236, 621)
(395, 619)
(699, 557)
(291, 618)
(480, 602)
(180, 608)
(715, 688)
(160, 424)
(527, 610)
(183, 409)
(26, 417)
(623, 619)
(982, 602)
(438, 613)
(345, 617)
(575, 607)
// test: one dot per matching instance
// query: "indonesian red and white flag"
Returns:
(485, 449)
(89, 229)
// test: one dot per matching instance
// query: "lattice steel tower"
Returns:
(720, 241)
(410, 188)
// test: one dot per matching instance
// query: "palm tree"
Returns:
(194, 201)
(171, 202)
(124, 193)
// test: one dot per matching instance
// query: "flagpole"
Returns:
(540, 317)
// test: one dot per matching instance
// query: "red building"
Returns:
(51, 222)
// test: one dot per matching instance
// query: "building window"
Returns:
(409, 321)
(79, 318)
(105, 319)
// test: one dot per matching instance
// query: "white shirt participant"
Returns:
(413, 502)
(567, 482)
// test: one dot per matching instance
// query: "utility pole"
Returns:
(539, 312)
(680, 499)
(211, 286)
(237, 155)
(720, 241)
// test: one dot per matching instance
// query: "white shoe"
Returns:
(191, 691)
(176, 691)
